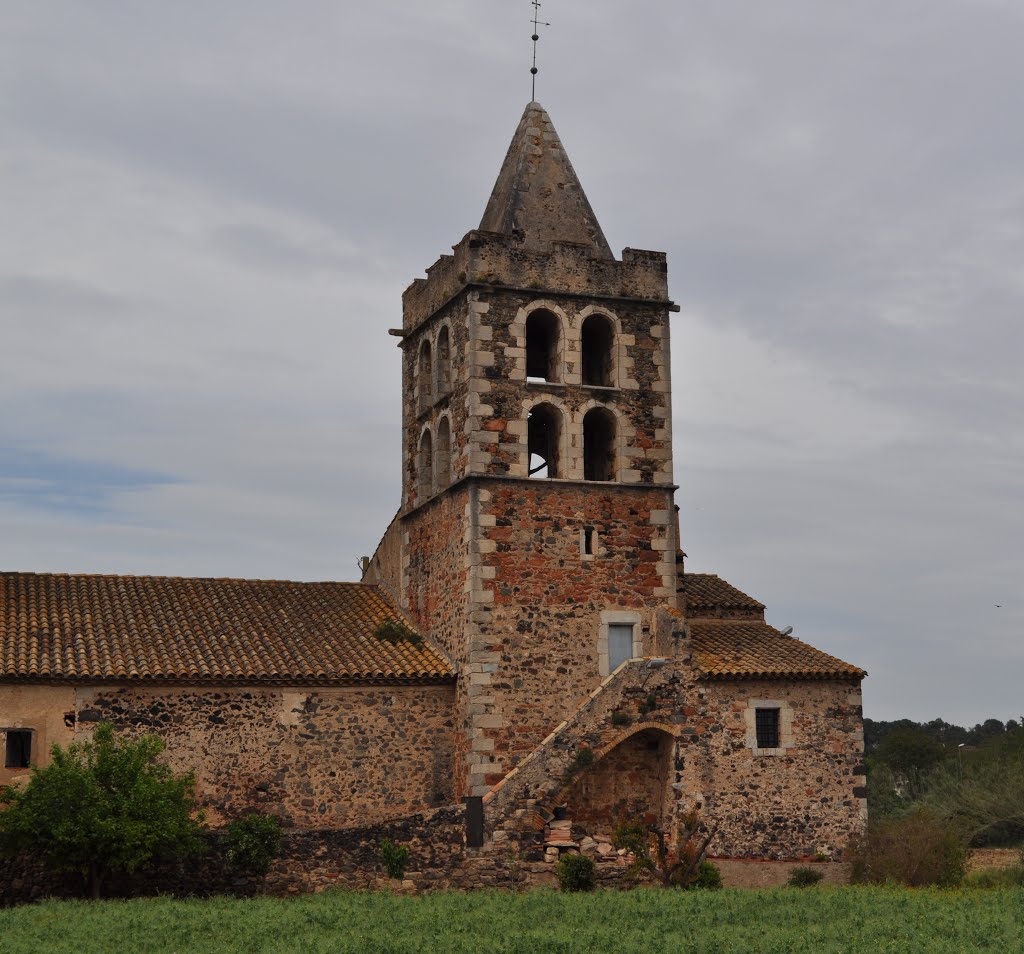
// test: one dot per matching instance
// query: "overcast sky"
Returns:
(210, 210)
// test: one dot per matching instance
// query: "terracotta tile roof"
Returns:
(709, 593)
(54, 626)
(750, 649)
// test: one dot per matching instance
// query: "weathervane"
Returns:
(537, 23)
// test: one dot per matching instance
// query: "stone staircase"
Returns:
(519, 809)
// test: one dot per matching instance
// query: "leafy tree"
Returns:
(909, 752)
(676, 865)
(102, 806)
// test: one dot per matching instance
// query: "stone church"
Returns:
(525, 647)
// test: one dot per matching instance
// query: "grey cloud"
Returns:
(211, 213)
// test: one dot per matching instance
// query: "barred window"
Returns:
(767, 724)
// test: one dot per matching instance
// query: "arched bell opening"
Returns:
(544, 435)
(597, 351)
(444, 361)
(424, 377)
(443, 455)
(543, 347)
(599, 444)
(425, 467)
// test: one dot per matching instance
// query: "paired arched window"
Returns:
(425, 466)
(443, 455)
(543, 346)
(444, 368)
(544, 434)
(424, 382)
(599, 444)
(597, 342)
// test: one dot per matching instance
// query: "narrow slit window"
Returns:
(18, 748)
(620, 644)
(588, 541)
(767, 723)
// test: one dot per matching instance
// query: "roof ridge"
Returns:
(193, 579)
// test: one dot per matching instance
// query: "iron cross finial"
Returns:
(537, 23)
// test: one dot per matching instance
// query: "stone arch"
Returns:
(545, 440)
(443, 359)
(425, 466)
(424, 375)
(598, 349)
(517, 336)
(544, 347)
(631, 777)
(622, 370)
(443, 453)
(600, 444)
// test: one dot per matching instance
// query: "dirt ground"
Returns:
(994, 858)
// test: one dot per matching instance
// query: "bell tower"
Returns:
(537, 533)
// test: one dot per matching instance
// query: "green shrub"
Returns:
(804, 878)
(103, 806)
(575, 873)
(395, 858)
(583, 758)
(621, 718)
(252, 844)
(649, 704)
(394, 631)
(919, 849)
(708, 876)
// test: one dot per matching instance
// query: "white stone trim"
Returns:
(785, 725)
(617, 616)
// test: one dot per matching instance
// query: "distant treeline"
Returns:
(939, 730)
(973, 777)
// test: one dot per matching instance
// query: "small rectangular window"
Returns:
(588, 541)
(620, 644)
(19, 748)
(767, 721)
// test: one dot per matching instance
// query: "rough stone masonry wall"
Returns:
(384, 568)
(317, 758)
(438, 579)
(639, 397)
(425, 404)
(806, 800)
(809, 799)
(313, 860)
(543, 599)
(491, 258)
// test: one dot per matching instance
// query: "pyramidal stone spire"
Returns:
(538, 193)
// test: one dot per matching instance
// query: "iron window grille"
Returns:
(767, 723)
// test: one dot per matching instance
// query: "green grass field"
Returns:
(819, 920)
